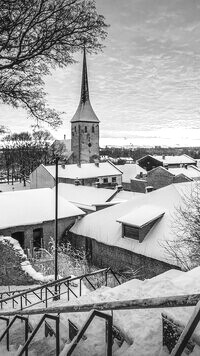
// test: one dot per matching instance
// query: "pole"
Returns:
(56, 225)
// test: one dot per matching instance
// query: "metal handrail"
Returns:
(187, 332)
(109, 320)
(64, 280)
(7, 323)
(6, 331)
(57, 334)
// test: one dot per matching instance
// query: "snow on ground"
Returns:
(142, 328)
(5, 187)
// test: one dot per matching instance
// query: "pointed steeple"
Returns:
(84, 111)
(84, 84)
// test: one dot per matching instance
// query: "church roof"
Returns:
(85, 112)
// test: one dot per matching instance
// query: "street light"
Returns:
(56, 226)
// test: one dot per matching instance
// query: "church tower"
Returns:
(84, 125)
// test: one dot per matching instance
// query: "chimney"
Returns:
(149, 189)
(119, 188)
(163, 157)
(64, 137)
(77, 182)
(63, 166)
(96, 162)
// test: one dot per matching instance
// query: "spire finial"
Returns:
(84, 85)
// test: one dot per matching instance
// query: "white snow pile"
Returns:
(14, 243)
(25, 264)
(27, 268)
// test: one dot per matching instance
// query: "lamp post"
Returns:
(56, 225)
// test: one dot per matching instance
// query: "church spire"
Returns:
(85, 112)
(84, 84)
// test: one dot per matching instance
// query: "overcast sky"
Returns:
(144, 87)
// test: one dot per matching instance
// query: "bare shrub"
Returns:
(185, 246)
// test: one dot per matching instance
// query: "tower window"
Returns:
(85, 128)
(89, 144)
(75, 128)
(93, 129)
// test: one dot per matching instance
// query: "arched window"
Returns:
(75, 128)
(93, 129)
(85, 128)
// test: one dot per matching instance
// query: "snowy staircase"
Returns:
(42, 342)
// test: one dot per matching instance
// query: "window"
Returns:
(19, 236)
(131, 232)
(85, 128)
(93, 129)
(75, 128)
(105, 180)
(114, 179)
(137, 224)
(37, 238)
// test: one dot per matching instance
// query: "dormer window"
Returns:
(140, 221)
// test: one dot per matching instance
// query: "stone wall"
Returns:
(119, 259)
(84, 141)
(11, 272)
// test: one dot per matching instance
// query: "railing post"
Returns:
(26, 335)
(46, 297)
(106, 277)
(57, 335)
(68, 291)
(7, 338)
(109, 336)
(21, 303)
(80, 288)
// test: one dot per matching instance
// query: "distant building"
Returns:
(160, 177)
(103, 174)
(149, 162)
(131, 171)
(84, 125)
(29, 216)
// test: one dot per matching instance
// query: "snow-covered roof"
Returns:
(130, 171)
(124, 195)
(142, 215)
(103, 226)
(182, 159)
(33, 206)
(86, 170)
(84, 195)
(190, 171)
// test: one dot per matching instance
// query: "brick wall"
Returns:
(119, 259)
(138, 185)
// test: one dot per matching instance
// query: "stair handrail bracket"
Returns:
(109, 321)
(6, 331)
(57, 334)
